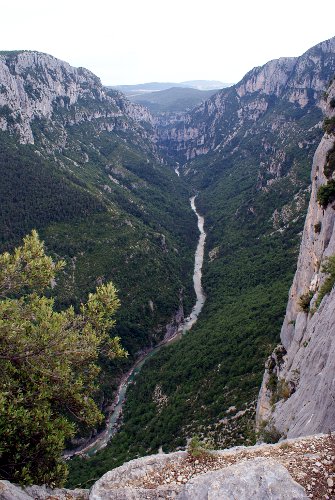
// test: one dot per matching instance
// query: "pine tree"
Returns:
(48, 364)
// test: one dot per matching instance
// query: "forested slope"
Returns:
(78, 164)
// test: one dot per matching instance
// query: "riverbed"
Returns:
(102, 438)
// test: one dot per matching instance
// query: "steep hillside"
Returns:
(248, 152)
(174, 99)
(298, 391)
(78, 163)
(289, 87)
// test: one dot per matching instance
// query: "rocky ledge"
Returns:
(292, 469)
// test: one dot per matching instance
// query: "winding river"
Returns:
(101, 440)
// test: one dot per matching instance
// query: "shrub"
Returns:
(198, 449)
(329, 125)
(317, 227)
(328, 268)
(283, 390)
(305, 300)
(326, 193)
(272, 382)
(268, 433)
(329, 167)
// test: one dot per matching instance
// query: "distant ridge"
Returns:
(156, 86)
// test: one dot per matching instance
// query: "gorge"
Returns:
(121, 181)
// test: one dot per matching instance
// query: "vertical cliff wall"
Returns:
(298, 391)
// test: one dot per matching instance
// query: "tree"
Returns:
(48, 364)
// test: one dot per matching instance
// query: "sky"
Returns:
(135, 41)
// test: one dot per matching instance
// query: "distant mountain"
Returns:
(156, 86)
(174, 99)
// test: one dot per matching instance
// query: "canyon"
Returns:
(246, 153)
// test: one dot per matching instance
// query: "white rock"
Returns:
(259, 479)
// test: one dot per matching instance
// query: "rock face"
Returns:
(298, 390)
(124, 482)
(261, 479)
(9, 491)
(33, 86)
(219, 121)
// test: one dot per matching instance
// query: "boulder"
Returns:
(259, 479)
(126, 482)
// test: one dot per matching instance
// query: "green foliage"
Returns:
(272, 382)
(197, 448)
(329, 167)
(34, 194)
(171, 100)
(326, 193)
(107, 207)
(267, 432)
(329, 125)
(279, 388)
(328, 268)
(48, 364)
(305, 300)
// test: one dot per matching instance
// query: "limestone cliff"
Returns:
(226, 118)
(298, 390)
(35, 86)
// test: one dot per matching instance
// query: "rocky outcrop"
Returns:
(298, 393)
(37, 86)
(127, 481)
(226, 118)
(9, 491)
(260, 479)
(280, 471)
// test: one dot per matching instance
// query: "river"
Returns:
(101, 440)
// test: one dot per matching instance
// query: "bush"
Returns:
(329, 167)
(305, 300)
(326, 193)
(328, 268)
(317, 227)
(198, 449)
(329, 125)
(272, 382)
(283, 390)
(268, 433)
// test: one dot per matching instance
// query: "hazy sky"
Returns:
(133, 41)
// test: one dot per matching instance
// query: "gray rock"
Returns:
(35, 85)
(259, 479)
(45, 493)
(309, 364)
(124, 483)
(9, 491)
